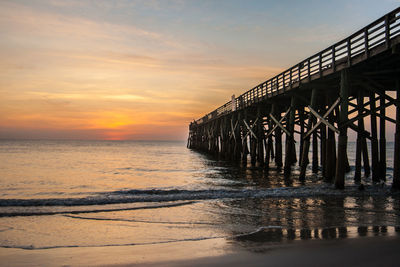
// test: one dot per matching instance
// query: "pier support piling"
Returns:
(306, 144)
(396, 158)
(315, 152)
(360, 104)
(330, 156)
(289, 160)
(260, 138)
(323, 150)
(301, 122)
(278, 141)
(342, 143)
(374, 139)
(382, 139)
(269, 145)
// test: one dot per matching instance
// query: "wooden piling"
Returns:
(245, 149)
(396, 158)
(290, 139)
(367, 168)
(269, 145)
(364, 147)
(238, 140)
(215, 148)
(323, 149)
(253, 145)
(382, 139)
(306, 145)
(230, 141)
(278, 140)
(330, 156)
(374, 139)
(315, 152)
(260, 138)
(233, 136)
(227, 141)
(222, 151)
(360, 103)
(346, 163)
(342, 143)
(301, 122)
(294, 155)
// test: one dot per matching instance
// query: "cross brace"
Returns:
(250, 129)
(233, 128)
(279, 123)
(322, 119)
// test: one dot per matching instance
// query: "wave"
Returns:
(116, 245)
(173, 195)
(139, 221)
(42, 213)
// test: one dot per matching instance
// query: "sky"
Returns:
(144, 69)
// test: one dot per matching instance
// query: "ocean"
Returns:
(57, 195)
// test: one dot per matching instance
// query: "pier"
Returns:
(317, 102)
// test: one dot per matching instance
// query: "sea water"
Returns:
(88, 194)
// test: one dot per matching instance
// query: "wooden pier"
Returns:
(317, 102)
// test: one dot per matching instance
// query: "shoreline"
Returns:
(360, 251)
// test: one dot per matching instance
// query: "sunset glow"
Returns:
(144, 70)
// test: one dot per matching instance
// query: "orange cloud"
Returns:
(73, 77)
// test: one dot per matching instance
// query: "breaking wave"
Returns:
(173, 197)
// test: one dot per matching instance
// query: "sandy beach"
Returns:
(373, 251)
(354, 252)
(366, 251)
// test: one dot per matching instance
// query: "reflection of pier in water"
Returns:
(275, 234)
(272, 221)
(325, 95)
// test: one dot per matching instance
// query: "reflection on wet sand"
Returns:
(284, 220)
(265, 235)
(306, 218)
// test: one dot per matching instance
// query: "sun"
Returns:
(112, 120)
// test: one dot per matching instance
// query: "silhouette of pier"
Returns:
(317, 101)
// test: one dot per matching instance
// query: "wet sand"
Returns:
(364, 251)
(370, 251)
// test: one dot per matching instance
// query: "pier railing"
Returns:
(351, 50)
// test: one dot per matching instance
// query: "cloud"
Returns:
(94, 68)
(125, 97)
(16, 19)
